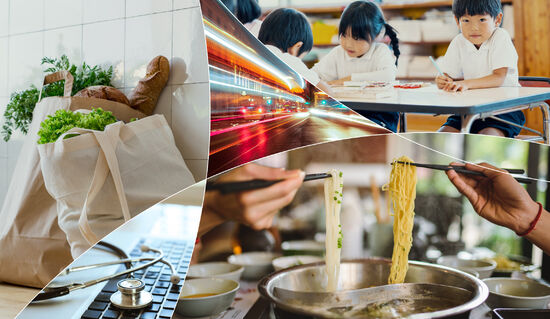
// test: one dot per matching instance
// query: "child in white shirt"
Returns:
(287, 33)
(249, 13)
(484, 56)
(359, 57)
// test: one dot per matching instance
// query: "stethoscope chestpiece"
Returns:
(131, 294)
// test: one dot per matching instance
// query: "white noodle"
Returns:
(333, 240)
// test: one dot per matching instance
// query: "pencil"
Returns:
(436, 66)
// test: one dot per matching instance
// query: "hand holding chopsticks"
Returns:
(501, 200)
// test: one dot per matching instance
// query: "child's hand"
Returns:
(458, 86)
(442, 81)
(340, 82)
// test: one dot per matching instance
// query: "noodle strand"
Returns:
(333, 240)
(402, 193)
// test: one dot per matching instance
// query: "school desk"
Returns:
(471, 104)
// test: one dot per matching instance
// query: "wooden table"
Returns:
(14, 298)
(471, 104)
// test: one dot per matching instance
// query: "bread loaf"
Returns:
(104, 92)
(145, 96)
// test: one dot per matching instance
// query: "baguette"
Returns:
(145, 96)
(104, 92)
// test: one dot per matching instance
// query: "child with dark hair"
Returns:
(481, 56)
(287, 33)
(248, 13)
(360, 56)
(229, 4)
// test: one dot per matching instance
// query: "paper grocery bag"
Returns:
(102, 178)
(33, 249)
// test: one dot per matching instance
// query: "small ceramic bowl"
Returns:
(303, 247)
(256, 264)
(220, 269)
(206, 296)
(291, 261)
(483, 267)
(517, 293)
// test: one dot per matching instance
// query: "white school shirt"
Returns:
(378, 64)
(296, 64)
(464, 60)
(254, 26)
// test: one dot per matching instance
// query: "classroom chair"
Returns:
(534, 120)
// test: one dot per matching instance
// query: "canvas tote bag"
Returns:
(33, 249)
(102, 178)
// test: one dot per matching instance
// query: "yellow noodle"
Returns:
(402, 192)
(333, 239)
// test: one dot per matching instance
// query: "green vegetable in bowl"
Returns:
(62, 121)
(18, 114)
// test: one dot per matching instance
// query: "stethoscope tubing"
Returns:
(65, 290)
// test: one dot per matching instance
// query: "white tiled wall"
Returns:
(126, 34)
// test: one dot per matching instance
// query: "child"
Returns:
(359, 57)
(249, 12)
(286, 32)
(484, 56)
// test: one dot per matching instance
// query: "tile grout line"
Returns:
(124, 45)
(172, 59)
(8, 84)
(82, 31)
(94, 22)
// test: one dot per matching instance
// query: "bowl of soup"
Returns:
(256, 264)
(206, 296)
(517, 293)
(483, 267)
(219, 269)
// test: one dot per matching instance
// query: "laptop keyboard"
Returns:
(157, 282)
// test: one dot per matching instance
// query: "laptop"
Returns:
(166, 226)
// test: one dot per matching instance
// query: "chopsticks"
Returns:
(235, 187)
(463, 170)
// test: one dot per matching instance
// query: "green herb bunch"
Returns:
(18, 114)
(62, 121)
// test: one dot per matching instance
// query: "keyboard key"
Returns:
(172, 296)
(149, 281)
(111, 286)
(148, 315)
(130, 314)
(158, 299)
(98, 305)
(160, 291)
(91, 314)
(154, 307)
(111, 314)
(162, 284)
(175, 289)
(169, 304)
(103, 297)
(166, 313)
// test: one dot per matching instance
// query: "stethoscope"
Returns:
(131, 293)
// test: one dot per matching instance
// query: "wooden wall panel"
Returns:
(532, 28)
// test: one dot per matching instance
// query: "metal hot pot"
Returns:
(449, 294)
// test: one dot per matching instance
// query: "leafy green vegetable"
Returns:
(340, 237)
(62, 121)
(18, 114)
